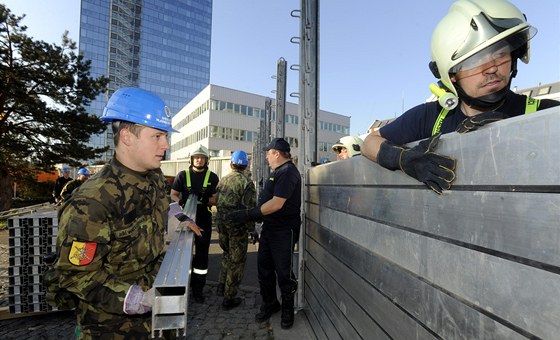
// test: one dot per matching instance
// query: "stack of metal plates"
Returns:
(31, 236)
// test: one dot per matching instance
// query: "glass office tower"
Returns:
(160, 45)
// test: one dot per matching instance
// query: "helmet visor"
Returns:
(497, 53)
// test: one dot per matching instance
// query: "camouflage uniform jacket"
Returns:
(111, 235)
(59, 185)
(69, 188)
(235, 191)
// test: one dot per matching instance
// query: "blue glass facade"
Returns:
(159, 45)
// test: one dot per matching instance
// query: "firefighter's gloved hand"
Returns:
(246, 215)
(254, 237)
(435, 170)
(137, 301)
(472, 123)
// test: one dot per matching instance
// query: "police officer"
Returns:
(279, 208)
(235, 190)
(475, 48)
(347, 147)
(199, 180)
(83, 175)
(111, 231)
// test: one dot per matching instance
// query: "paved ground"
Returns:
(206, 321)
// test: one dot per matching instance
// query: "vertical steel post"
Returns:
(281, 98)
(308, 114)
(267, 137)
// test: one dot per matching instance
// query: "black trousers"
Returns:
(200, 259)
(274, 259)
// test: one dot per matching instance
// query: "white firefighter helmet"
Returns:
(351, 143)
(200, 151)
(472, 32)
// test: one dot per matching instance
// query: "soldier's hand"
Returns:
(196, 229)
(188, 223)
(253, 237)
(192, 226)
(136, 302)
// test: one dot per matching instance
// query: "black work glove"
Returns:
(253, 237)
(472, 123)
(246, 215)
(420, 162)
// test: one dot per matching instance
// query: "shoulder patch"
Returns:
(82, 253)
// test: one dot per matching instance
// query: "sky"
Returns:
(373, 56)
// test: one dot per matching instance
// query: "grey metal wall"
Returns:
(387, 258)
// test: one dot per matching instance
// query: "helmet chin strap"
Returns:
(488, 102)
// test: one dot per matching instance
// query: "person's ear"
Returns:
(125, 136)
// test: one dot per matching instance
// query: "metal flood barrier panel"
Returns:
(171, 286)
(387, 258)
(31, 236)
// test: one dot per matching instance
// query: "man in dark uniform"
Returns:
(475, 48)
(235, 191)
(279, 207)
(111, 231)
(198, 180)
(59, 184)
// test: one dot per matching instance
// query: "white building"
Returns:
(224, 120)
(546, 91)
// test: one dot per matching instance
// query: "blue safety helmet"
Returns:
(66, 169)
(84, 171)
(138, 106)
(239, 157)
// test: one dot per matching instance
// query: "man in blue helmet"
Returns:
(83, 175)
(111, 242)
(235, 191)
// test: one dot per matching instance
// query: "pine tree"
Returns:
(44, 92)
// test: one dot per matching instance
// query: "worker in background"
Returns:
(348, 146)
(279, 209)
(475, 49)
(235, 191)
(110, 241)
(198, 180)
(83, 175)
(59, 184)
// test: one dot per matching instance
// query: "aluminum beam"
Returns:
(171, 287)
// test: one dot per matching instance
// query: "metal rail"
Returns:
(26, 210)
(171, 287)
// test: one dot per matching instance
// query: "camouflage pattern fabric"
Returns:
(111, 236)
(235, 191)
(69, 189)
(59, 185)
